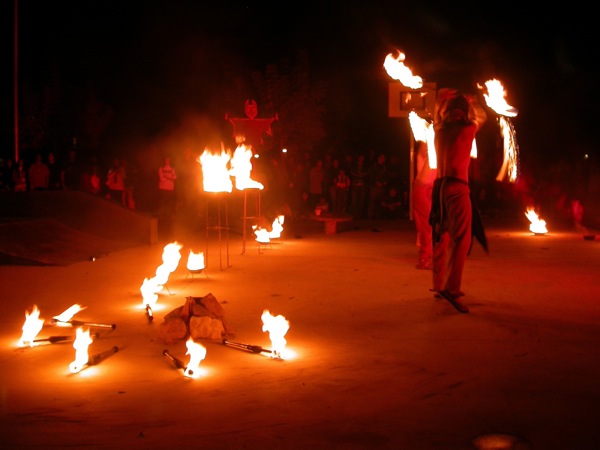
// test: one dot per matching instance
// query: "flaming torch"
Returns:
(32, 326)
(277, 326)
(398, 71)
(496, 99)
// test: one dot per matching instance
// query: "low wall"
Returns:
(83, 212)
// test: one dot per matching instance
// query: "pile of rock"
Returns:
(198, 318)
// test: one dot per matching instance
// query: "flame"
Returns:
(32, 326)
(150, 287)
(398, 71)
(215, 172)
(81, 344)
(68, 314)
(241, 166)
(423, 132)
(197, 353)
(496, 99)
(537, 226)
(195, 261)
(277, 227)
(262, 235)
(277, 326)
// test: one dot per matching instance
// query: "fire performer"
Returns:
(457, 119)
(421, 192)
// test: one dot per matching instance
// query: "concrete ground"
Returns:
(375, 361)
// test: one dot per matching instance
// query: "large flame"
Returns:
(32, 326)
(151, 286)
(398, 71)
(197, 353)
(423, 132)
(495, 98)
(538, 226)
(277, 326)
(215, 171)
(81, 345)
(277, 227)
(241, 166)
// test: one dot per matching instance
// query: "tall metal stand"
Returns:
(219, 227)
(245, 217)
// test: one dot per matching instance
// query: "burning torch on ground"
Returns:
(197, 353)
(65, 319)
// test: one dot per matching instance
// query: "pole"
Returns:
(16, 81)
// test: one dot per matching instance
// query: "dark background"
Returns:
(165, 67)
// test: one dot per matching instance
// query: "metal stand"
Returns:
(245, 217)
(219, 228)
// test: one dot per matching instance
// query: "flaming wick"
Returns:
(77, 323)
(149, 313)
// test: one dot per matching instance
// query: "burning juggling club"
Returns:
(57, 339)
(247, 347)
(77, 323)
(178, 363)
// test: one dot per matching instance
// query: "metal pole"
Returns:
(16, 81)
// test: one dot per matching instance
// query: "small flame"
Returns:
(149, 290)
(215, 172)
(68, 314)
(398, 71)
(538, 226)
(496, 99)
(277, 326)
(195, 261)
(197, 353)
(32, 326)
(241, 166)
(81, 344)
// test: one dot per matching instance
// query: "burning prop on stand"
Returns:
(197, 353)
(538, 226)
(65, 319)
(195, 263)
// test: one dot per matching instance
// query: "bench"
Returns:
(331, 221)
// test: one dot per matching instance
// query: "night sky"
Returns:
(158, 62)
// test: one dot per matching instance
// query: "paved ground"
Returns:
(378, 362)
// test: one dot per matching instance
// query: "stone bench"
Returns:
(331, 221)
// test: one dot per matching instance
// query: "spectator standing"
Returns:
(359, 176)
(166, 188)
(457, 118)
(70, 175)
(39, 174)
(54, 182)
(342, 191)
(378, 181)
(316, 183)
(115, 182)
(19, 177)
